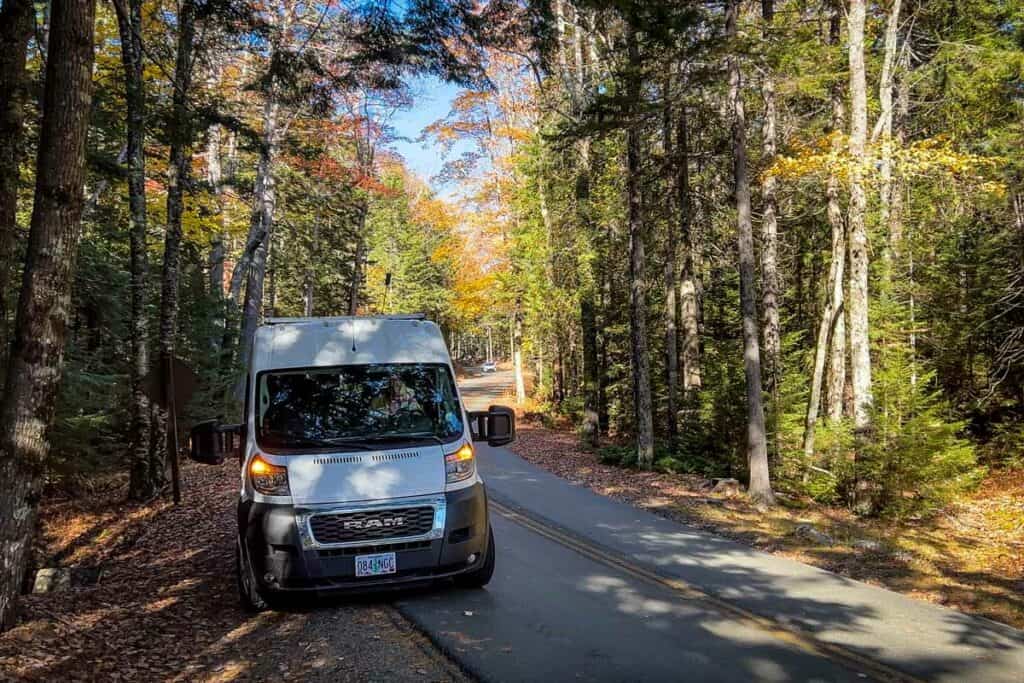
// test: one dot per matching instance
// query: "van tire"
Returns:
(248, 594)
(478, 578)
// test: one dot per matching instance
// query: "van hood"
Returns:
(350, 477)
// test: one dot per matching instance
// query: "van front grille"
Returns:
(372, 525)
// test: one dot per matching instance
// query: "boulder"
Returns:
(52, 580)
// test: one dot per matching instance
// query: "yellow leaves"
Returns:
(936, 158)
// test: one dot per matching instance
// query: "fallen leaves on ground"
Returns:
(165, 606)
(970, 558)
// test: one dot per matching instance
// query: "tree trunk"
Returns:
(17, 20)
(179, 161)
(829, 330)
(836, 383)
(883, 133)
(857, 306)
(757, 449)
(769, 228)
(637, 299)
(129, 22)
(517, 353)
(37, 354)
(260, 227)
(830, 346)
(689, 304)
(671, 305)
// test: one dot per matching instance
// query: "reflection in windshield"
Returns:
(344, 406)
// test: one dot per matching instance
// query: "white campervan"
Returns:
(357, 461)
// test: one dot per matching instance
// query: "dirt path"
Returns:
(165, 607)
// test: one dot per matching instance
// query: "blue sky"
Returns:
(432, 100)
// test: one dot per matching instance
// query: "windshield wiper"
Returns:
(302, 442)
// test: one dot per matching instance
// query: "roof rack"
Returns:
(339, 318)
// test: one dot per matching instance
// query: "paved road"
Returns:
(590, 589)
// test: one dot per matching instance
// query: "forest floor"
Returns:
(160, 603)
(970, 557)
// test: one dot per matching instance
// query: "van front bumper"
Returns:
(285, 556)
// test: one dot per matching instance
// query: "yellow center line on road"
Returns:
(853, 661)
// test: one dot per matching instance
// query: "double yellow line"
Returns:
(797, 638)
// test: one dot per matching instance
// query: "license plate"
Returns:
(375, 565)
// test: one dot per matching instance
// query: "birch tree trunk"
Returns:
(637, 259)
(37, 355)
(129, 21)
(857, 306)
(883, 134)
(835, 390)
(769, 226)
(760, 488)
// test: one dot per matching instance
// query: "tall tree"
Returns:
(757, 446)
(180, 131)
(17, 19)
(637, 260)
(769, 218)
(688, 300)
(830, 346)
(671, 285)
(129, 21)
(857, 236)
(37, 355)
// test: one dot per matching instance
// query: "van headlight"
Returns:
(269, 479)
(460, 465)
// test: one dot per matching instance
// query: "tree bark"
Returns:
(670, 283)
(688, 299)
(883, 133)
(517, 353)
(857, 238)
(769, 227)
(757, 450)
(835, 391)
(17, 19)
(830, 346)
(37, 354)
(129, 22)
(637, 299)
(591, 428)
(260, 228)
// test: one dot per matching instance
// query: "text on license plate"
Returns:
(375, 565)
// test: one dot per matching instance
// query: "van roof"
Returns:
(350, 340)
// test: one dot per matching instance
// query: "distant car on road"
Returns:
(489, 366)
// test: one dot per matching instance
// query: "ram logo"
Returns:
(378, 523)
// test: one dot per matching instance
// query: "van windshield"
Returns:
(355, 405)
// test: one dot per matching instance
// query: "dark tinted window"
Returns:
(346, 405)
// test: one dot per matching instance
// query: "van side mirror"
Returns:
(496, 425)
(211, 442)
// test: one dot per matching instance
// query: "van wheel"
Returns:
(478, 578)
(248, 594)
